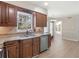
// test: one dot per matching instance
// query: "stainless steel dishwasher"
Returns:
(43, 43)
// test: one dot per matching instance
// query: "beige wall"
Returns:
(7, 30)
(70, 27)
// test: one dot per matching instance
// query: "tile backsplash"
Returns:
(9, 30)
(39, 29)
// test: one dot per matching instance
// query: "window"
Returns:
(24, 21)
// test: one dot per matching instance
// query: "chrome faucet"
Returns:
(27, 32)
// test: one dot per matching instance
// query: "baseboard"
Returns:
(35, 56)
(70, 39)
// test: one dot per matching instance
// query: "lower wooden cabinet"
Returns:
(49, 40)
(26, 48)
(11, 49)
(36, 46)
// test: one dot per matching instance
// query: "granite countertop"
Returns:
(31, 36)
(18, 37)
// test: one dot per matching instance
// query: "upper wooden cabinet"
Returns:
(2, 13)
(11, 13)
(24, 10)
(41, 20)
(45, 20)
(7, 14)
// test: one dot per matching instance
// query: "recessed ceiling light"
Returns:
(45, 3)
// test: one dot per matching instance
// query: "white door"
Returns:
(52, 28)
(58, 30)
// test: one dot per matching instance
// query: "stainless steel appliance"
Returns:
(44, 43)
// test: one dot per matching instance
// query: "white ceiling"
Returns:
(59, 8)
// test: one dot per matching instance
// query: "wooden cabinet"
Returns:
(41, 20)
(2, 14)
(26, 48)
(49, 40)
(30, 47)
(11, 14)
(36, 46)
(45, 20)
(11, 49)
(7, 14)
(24, 10)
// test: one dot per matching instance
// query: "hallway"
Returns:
(62, 49)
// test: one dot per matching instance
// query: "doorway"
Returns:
(58, 30)
(55, 29)
(52, 28)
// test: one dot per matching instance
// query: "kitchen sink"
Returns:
(25, 35)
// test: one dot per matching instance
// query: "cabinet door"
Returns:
(11, 49)
(45, 20)
(2, 13)
(27, 48)
(11, 15)
(49, 40)
(41, 20)
(36, 46)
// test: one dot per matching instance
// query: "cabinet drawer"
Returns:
(27, 42)
(35, 40)
(11, 43)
